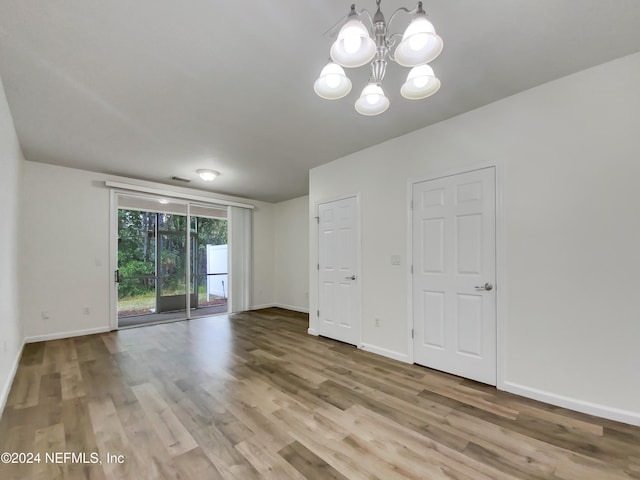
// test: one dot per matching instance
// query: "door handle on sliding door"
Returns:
(352, 277)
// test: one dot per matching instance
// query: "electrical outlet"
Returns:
(45, 315)
(377, 322)
(86, 311)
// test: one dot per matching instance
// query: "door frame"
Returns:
(113, 247)
(500, 280)
(113, 258)
(358, 223)
(113, 244)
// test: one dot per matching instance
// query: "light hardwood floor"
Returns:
(253, 396)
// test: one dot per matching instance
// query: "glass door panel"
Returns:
(172, 267)
(209, 264)
(151, 260)
(136, 263)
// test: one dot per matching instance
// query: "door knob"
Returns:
(487, 286)
(352, 277)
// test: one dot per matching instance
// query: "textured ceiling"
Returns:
(155, 88)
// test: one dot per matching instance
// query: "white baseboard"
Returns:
(260, 307)
(312, 331)
(58, 336)
(280, 305)
(401, 357)
(6, 388)
(625, 416)
(292, 308)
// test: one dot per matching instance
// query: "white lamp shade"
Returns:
(419, 44)
(332, 83)
(354, 46)
(207, 175)
(372, 100)
(421, 83)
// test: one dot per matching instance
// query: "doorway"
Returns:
(160, 260)
(453, 280)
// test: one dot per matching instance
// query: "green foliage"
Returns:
(137, 250)
(136, 279)
(212, 231)
(136, 232)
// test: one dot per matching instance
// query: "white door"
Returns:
(454, 258)
(338, 296)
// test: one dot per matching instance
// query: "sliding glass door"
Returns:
(209, 259)
(160, 260)
(171, 263)
(136, 263)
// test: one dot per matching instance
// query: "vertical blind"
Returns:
(240, 234)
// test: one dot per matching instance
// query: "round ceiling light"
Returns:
(207, 175)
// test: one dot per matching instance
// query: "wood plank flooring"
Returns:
(251, 396)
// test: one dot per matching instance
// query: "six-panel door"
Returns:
(454, 299)
(339, 307)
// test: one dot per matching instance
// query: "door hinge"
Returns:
(318, 266)
(317, 219)
(318, 313)
(411, 269)
(412, 333)
(116, 276)
(411, 206)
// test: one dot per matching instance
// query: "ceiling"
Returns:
(150, 89)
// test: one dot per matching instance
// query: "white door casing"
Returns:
(454, 258)
(338, 283)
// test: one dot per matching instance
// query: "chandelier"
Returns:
(358, 45)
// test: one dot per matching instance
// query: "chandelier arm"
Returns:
(369, 17)
(391, 41)
(332, 32)
(399, 10)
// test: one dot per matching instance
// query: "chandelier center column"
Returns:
(379, 63)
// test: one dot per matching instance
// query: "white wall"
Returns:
(568, 159)
(11, 160)
(65, 250)
(291, 269)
